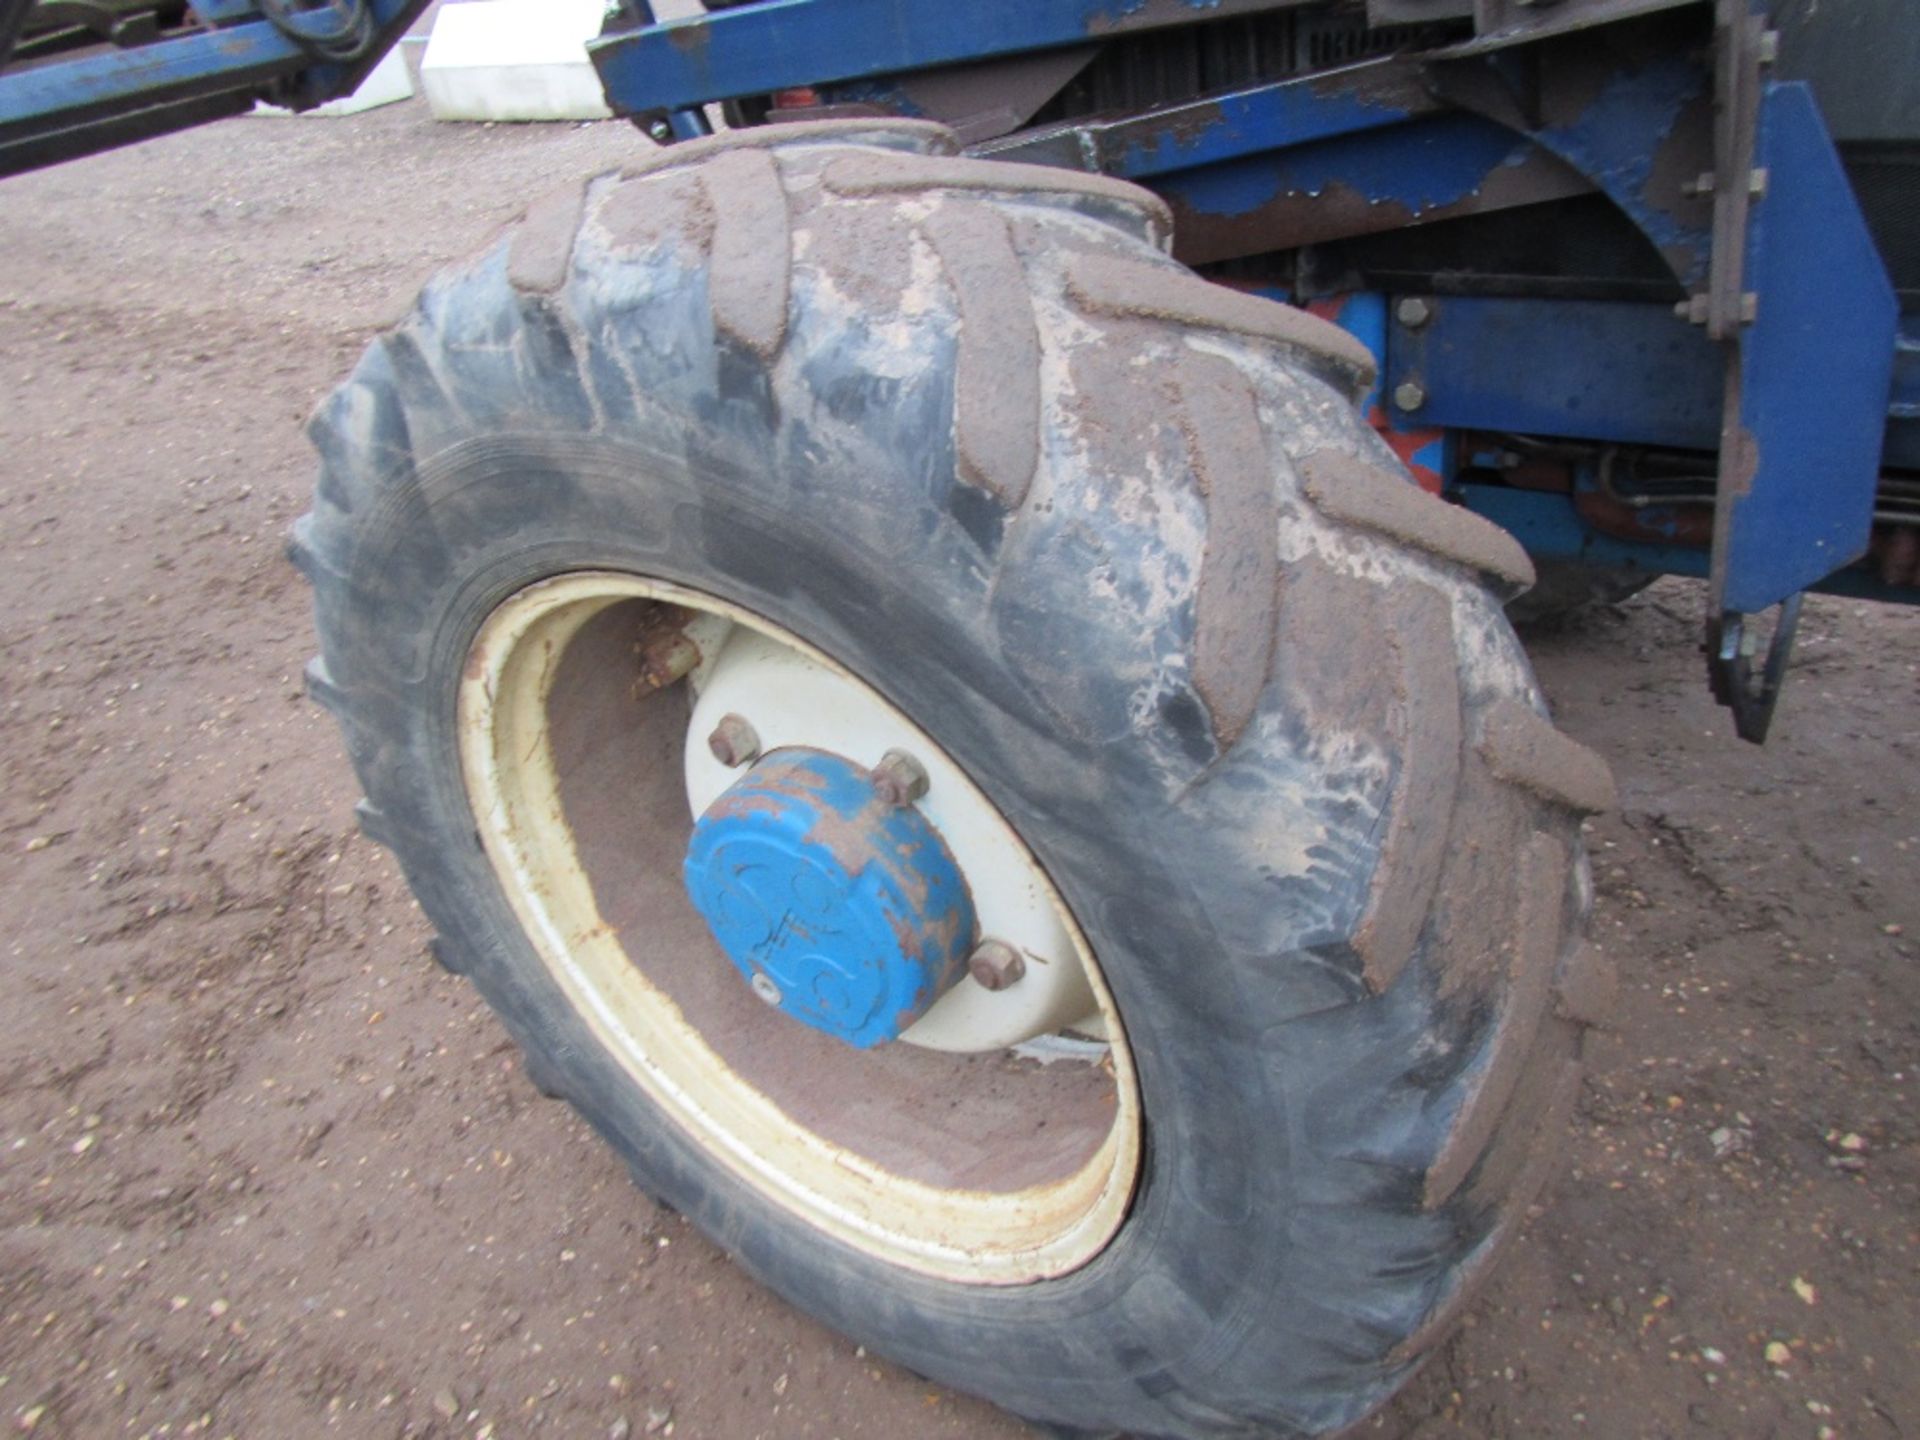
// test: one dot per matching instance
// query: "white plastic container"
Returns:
(514, 60)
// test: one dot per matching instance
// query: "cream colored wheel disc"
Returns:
(990, 1167)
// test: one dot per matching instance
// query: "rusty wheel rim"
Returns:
(984, 1168)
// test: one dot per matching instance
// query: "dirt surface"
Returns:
(265, 1170)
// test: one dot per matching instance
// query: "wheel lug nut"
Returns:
(899, 778)
(733, 742)
(995, 965)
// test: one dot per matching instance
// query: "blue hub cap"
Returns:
(843, 910)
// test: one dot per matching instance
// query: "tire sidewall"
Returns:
(1205, 1248)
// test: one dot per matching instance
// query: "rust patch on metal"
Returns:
(1395, 83)
(662, 649)
(1685, 155)
(986, 99)
(1152, 14)
(690, 38)
(1297, 217)
(623, 789)
(1739, 461)
(1187, 124)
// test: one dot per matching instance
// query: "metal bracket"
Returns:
(663, 127)
(1799, 299)
(1724, 309)
(1742, 46)
(1730, 651)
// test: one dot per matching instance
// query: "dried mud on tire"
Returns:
(234, 1080)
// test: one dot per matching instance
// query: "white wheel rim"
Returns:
(1043, 1210)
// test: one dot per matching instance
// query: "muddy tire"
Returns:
(1561, 590)
(1118, 541)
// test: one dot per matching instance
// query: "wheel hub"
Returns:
(841, 907)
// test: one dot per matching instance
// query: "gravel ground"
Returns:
(265, 1170)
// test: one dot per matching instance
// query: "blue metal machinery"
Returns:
(1626, 294)
(842, 908)
(81, 77)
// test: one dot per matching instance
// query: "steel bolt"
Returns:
(733, 742)
(1409, 395)
(995, 965)
(1694, 309)
(664, 649)
(660, 132)
(1413, 312)
(899, 778)
(765, 989)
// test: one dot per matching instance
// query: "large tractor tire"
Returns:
(1563, 589)
(657, 527)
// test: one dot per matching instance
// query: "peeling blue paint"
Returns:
(1268, 118)
(1423, 165)
(846, 912)
(778, 44)
(1102, 15)
(1617, 140)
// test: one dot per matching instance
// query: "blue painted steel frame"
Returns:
(234, 56)
(147, 73)
(1397, 149)
(1547, 523)
(1821, 345)
(1809, 408)
(1550, 527)
(1619, 371)
(779, 44)
(1801, 459)
(1616, 141)
(1401, 173)
(1290, 113)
